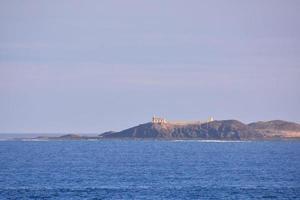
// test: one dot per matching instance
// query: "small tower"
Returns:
(210, 119)
(153, 119)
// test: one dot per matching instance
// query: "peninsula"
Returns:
(210, 129)
(162, 129)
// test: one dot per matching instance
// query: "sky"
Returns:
(93, 66)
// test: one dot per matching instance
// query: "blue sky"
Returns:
(92, 66)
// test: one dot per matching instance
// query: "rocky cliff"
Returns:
(277, 128)
(219, 130)
(215, 130)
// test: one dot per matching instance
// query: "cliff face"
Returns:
(277, 128)
(232, 129)
(226, 130)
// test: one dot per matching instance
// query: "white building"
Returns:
(210, 119)
(158, 120)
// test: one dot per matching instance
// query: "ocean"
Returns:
(122, 169)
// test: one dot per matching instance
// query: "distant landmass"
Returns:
(161, 129)
(214, 130)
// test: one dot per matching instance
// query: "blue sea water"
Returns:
(149, 170)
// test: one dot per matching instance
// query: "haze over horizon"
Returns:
(94, 66)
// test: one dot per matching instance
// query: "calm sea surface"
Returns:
(149, 170)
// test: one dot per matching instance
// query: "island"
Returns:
(162, 129)
(210, 130)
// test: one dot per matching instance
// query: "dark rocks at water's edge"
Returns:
(107, 133)
(65, 137)
(215, 130)
(70, 136)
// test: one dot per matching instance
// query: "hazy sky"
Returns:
(92, 66)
